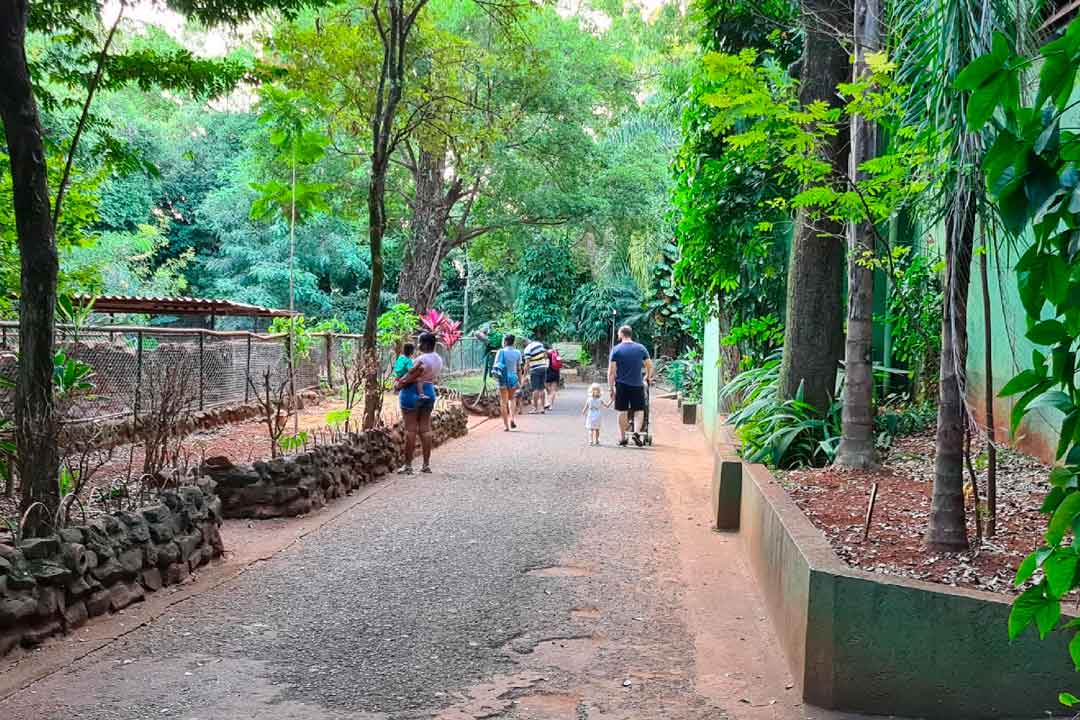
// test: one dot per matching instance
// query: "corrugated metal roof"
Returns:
(175, 306)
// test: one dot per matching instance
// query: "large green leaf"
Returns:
(1063, 518)
(1060, 569)
(1024, 609)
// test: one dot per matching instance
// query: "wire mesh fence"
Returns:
(130, 364)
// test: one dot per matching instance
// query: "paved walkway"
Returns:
(530, 577)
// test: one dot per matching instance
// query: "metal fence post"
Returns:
(138, 373)
(330, 360)
(247, 371)
(202, 369)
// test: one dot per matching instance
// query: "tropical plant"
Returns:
(1031, 175)
(396, 325)
(782, 432)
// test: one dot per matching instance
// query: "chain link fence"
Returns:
(219, 368)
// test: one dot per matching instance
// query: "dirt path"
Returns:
(531, 577)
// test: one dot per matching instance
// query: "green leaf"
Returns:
(1020, 409)
(1066, 698)
(1053, 399)
(978, 72)
(1065, 440)
(1025, 570)
(1060, 569)
(1052, 500)
(1062, 518)
(1060, 477)
(1023, 382)
(1024, 608)
(1046, 617)
(1057, 279)
(1047, 332)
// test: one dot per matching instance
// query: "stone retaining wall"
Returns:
(54, 584)
(301, 483)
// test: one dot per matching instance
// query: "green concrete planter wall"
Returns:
(864, 642)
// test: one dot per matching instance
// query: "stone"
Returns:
(75, 615)
(177, 573)
(150, 556)
(50, 573)
(161, 533)
(9, 640)
(168, 554)
(123, 594)
(5, 566)
(139, 533)
(131, 561)
(9, 553)
(20, 580)
(157, 514)
(71, 535)
(40, 548)
(75, 558)
(98, 603)
(108, 573)
(39, 633)
(188, 544)
(78, 588)
(50, 601)
(16, 608)
(151, 579)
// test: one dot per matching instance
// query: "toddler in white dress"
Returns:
(592, 412)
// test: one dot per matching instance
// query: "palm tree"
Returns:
(932, 42)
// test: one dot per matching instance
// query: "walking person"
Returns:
(629, 370)
(507, 371)
(592, 411)
(554, 376)
(536, 360)
(417, 398)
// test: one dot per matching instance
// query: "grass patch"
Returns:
(468, 384)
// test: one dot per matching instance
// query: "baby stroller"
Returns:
(642, 436)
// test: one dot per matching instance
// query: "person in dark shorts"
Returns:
(417, 397)
(536, 362)
(554, 376)
(629, 370)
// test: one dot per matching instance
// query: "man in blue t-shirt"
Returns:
(629, 370)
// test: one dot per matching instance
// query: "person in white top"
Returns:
(417, 399)
(592, 411)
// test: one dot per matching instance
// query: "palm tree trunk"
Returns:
(947, 530)
(857, 441)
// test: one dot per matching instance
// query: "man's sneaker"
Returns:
(623, 442)
(637, 440)
(426, 470)
(405, 470)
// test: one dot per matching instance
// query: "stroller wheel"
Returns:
(648, 440)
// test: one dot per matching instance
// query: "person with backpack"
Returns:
(536, 360)
(553, 376)
(506, 370)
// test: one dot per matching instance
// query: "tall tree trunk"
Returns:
(813, 331)
(35, 420)
(857, 441)
(947, 530)
(373, 386)
(421, 268)
(991, 449)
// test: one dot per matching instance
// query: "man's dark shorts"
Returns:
(537, 378)
(629, 397)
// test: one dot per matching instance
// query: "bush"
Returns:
(782, 433)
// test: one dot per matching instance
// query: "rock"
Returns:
(71, 535)
(37, 634)
(5, 566)
(78, 588)
(9, 553)
(151, 579)
(157, 514)
(50, 601)
(98, 603)
(108, 573)
(168, 554)
(50, 573)
(131, 561)
(161, 533)
(75, 558)
(75, 615)
(177, 573)
(122, 594)
(9, 640)
(16, 608)
(40, 548)
(20, 580)
(188, 544)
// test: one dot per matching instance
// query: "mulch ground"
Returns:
(836, 499)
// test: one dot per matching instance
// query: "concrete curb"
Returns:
(865, 642)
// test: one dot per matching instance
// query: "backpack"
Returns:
(556, 361)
